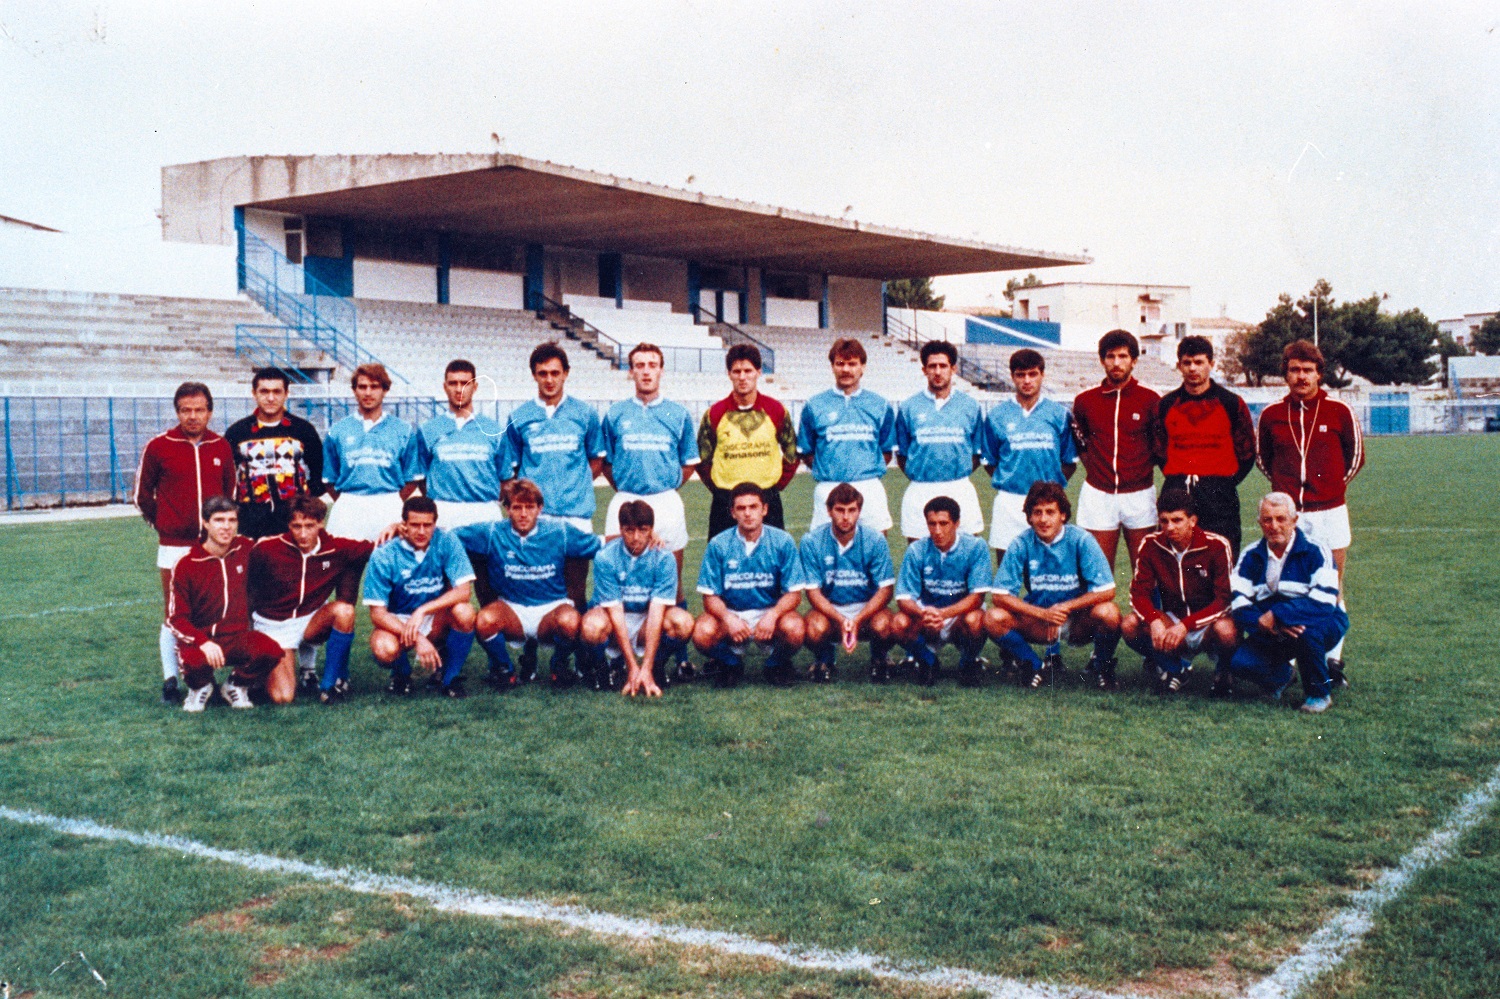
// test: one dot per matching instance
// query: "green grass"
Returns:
(1063, 835)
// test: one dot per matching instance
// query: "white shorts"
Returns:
(426, 627)
(671, 517)
(635, 627)
(584, 524)
(363, 517)
(452, 513)
(1007, 519)
(945, 634)
(1102, 511)
(288, 634)
(875, 514)
(751, 619)
(531, 616)
(1331, 527)
(167, 556)
(970, 516)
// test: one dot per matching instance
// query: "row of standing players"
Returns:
(1201, 435)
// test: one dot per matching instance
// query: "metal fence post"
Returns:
(88, 482)
(62, 459)
(10, 462)
(114, 456)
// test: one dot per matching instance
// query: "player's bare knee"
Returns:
(384, 646)
(487, 621)
(463, 616)
(677, 623)
(880, 624)
(1226, 634)
(705, 632)
(817, 627)
(971, 624)
(1106, 615)
(343, 615)
(791, 629)
(1130, 626)
(595, 628)
(998, 622)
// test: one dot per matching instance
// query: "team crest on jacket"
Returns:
(733, 563)
(828, 560)
(326, 564)
(239, 568)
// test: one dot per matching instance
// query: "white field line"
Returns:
(78, 610)
(451, 899)
(1341, 934)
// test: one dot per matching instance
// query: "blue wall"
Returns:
(1012, 332)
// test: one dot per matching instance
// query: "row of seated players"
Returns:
(1054, 585)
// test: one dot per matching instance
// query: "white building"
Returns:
(1158, 314)
(1463, 328)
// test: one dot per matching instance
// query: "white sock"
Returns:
(307, 657)
(1337, 652)
(166, 643)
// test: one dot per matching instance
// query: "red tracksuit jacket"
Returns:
(1192, 585)
(1310, 451)
(286, 583)
(1113, 426)
(175, 477)
(209, 594)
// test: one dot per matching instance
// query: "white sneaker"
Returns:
(197, 698)
(237, 696)
(1316, 705)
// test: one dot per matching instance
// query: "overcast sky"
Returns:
(1244, 151)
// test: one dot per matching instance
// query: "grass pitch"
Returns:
(1121, 841)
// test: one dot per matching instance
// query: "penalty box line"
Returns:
(448, 898)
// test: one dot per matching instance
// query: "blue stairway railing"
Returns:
(269, 347)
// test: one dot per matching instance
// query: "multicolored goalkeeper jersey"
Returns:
(757, 444)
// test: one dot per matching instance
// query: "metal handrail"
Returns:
(262, 350)
(732, 334)
(968, 369)
(603, 344)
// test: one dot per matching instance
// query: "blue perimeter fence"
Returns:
(79, 450)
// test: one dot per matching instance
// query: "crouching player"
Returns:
(1054, 586)
(525, 558)
(853, 577)
(1286, 598)
(1179, 595)
(292, 576)
(417, 588)
(635, 616)
(940, 593)
(752, 581)
(210, 613)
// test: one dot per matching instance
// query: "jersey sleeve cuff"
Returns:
(708, 591)
(373, 603)
(613, 603)
(466, 579)
(663, 601)
(1103, 588)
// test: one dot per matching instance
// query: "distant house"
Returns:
(1218, 330)
(1463, 328)
(1158, 314)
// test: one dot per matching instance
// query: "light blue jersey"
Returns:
(634, 582)
(847, 436)
(1028, 447)
(1043, 575)
(935, 578)
(753, 580)
(554, 452)
(939, 441)
(401, 579)
(382, 459)
(648, 445)
(462, 464)
(850, 575)
(528, 570)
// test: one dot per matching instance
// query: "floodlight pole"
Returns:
(1315, 320)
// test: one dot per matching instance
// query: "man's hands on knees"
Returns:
(213, 654)
(765, 628)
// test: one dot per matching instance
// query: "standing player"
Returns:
(1113, 423)
(650, 452)
(292, 575)
(370, 461)
(635, 616)
(527, 557)
(745, 437)
(210, 613)
(752, 581)
(1204, 440)
(181, 469)
(940, 593)
(1026, 440)
(1054, 586)
(1179, 596)
(417, 589)
(846, 435)
(939, 440)
(1311, 448)
(460, 455)
(849, 564)
(277, 456)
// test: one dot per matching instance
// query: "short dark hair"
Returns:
(1174, 498)
(459, 364)
(1047, 492)
(742, 352)
(645, 348)
(942, 504)
(847, 346)
(218, 504)
(307, 506)
(938, 347)
(1027, 359)
(844, 493)
(270, 375)
(375, 372)
(1115, 339)
(548, 351)
(188, 390)
(1192, 346)
(636, 513)
(746, 489)
(418, 504)
(522, 491)
(1301, 350)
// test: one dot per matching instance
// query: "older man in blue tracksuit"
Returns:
(1286, 599)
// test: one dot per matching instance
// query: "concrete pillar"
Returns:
(444, 259)
(695, 288)
(823, 317)
(535, 278)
